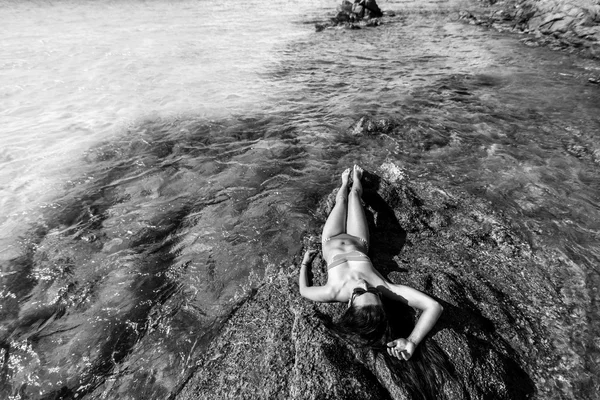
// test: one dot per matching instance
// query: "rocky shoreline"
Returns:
(572, 26)
(569, 26)
(506, 331)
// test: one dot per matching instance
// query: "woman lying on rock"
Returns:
(351, 278)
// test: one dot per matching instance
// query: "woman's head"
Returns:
(364, 296)
(365, 324)
(365, 321)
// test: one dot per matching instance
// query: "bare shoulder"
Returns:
(321, 294)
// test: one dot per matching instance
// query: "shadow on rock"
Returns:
(278, 345)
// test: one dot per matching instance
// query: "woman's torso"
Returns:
(345, 276)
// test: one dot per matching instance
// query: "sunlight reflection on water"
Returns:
(159, 158)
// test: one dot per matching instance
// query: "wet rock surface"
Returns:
(506, 329)
(366, 125)
(355, 15)
(561, 25)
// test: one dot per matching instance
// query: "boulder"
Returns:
(558, 24)
(359, 10)
(496, 339)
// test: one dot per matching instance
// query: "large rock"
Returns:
(502, 334)
(557, 23)
(354, 15)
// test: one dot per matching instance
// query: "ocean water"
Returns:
(159, 159)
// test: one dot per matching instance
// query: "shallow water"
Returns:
(161, 159)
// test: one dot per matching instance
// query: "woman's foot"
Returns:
(342, 193)
(356, 177)
(358, 171)
(345, 177)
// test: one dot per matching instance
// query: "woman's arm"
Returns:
(315, 293)
(404, 348)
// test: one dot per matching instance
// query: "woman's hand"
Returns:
(308, 256)
(402, 349)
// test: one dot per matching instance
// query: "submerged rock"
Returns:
(369, 126)
(503, 315)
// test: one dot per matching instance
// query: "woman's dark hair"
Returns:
(366, 326)
(427, 375)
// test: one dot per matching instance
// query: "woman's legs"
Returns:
(357, 220)
(336, 221)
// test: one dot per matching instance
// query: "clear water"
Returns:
(160, 158)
